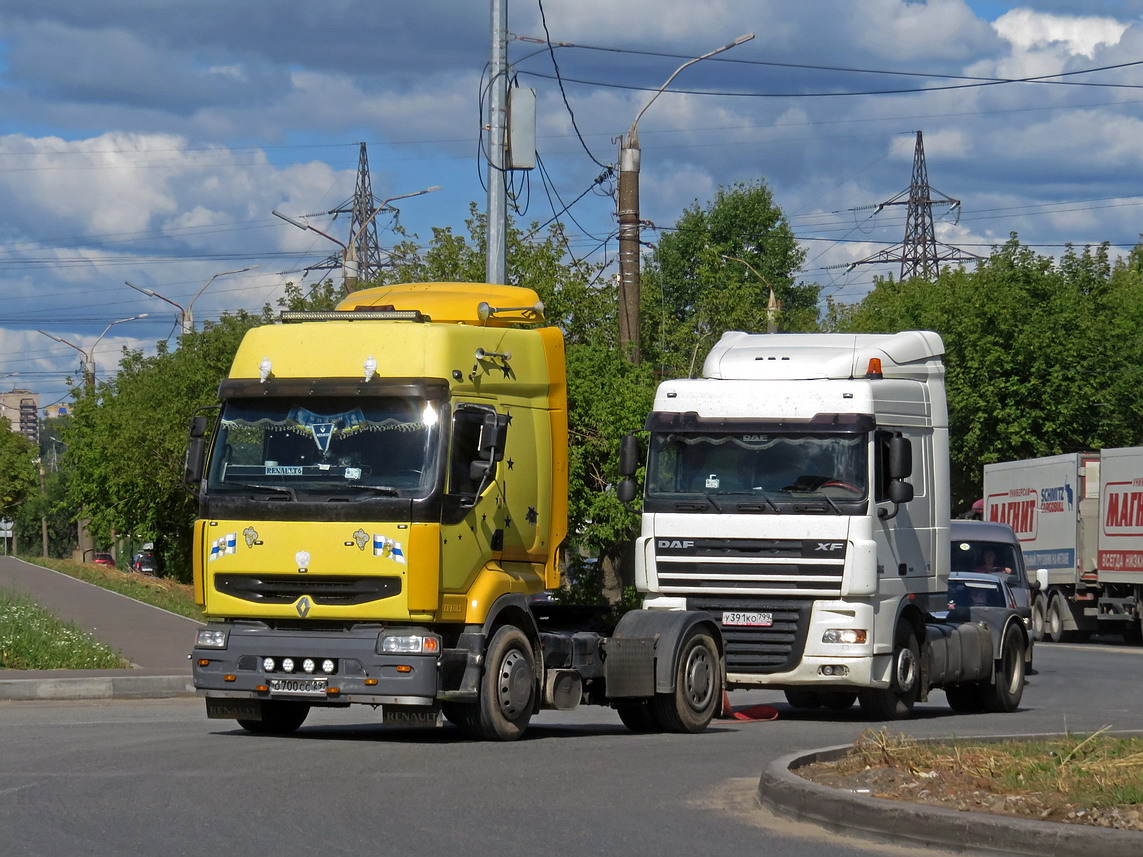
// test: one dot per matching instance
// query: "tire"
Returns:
(279, 717)
(964, 698)
(896, 701)
(638, 717)
(1054, 620)
(804, 698)
(507, 689)
(1038, 619)
(1007, 687)
(838, 700)
(698, 687)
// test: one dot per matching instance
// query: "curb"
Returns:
(789, 795)
(98, 687)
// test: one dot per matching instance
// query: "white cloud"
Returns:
(1030, 30)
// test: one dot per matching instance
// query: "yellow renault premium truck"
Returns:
(382, 499)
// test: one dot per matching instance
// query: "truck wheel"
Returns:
(698, 687)
(279, 717)
(637, 716)
(507, 688)
(1038, 620)
(897, 700)
(965, 698)
(1054, 621)
(804, 698)
(1007, 687)
(838, 700)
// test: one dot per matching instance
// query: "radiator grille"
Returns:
(803, 567)
(322, 589)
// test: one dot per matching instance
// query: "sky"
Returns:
(148, 141)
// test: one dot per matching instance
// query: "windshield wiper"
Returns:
(273, 489)
(373, 489)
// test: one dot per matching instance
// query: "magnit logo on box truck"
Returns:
(1015, 507)
(1122, 505)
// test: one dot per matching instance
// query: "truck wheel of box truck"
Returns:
(1058, 615)
(279, 717)
(897, 700)
(507, 689)
(698, 686)
(1038, 618)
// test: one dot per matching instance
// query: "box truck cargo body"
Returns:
(1079, 519)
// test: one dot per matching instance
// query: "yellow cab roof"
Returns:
(453, 302)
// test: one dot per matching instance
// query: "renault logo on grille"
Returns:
(304, 606)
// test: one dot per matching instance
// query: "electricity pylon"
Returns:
(919, 253)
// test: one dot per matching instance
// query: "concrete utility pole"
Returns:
(497, 217)
(629, 156)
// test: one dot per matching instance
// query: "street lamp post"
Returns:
(349, 262)
(629, 156)
(186, 319)
(89, 354)
(773, 305)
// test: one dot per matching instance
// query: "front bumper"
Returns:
(360, 674)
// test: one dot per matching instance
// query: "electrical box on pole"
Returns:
(521, 128)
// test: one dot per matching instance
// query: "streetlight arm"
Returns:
(151, 293)
(305, 227)
(383, 205)
(743, 38)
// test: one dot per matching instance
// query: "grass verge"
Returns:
(156, 591)
(31, 638)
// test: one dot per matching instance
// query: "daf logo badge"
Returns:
(303, 606)
(676, 544)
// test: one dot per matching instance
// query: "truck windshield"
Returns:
(779, 472)
(383, 446)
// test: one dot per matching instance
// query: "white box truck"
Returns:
(1079, 519)
(798, 492)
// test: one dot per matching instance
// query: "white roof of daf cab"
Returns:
(808, 356)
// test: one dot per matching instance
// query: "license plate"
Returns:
(309, 686)
(752, 620)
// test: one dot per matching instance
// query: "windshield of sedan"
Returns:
(779, 472)
(381, 446)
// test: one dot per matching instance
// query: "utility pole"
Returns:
(628, 213)
(497, 217)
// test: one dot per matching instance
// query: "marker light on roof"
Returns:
(874, 370)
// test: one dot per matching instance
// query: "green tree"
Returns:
(19, 479)
(127, 440)
(692, 293)
(1042, 357)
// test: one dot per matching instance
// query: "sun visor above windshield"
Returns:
(909, 354)
(253, 388)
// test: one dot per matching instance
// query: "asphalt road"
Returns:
(155, 777)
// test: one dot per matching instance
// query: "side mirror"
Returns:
(900, 458)
(493, 432)
(193, 463)
(900, 492)
(625, 491)
(629, 455)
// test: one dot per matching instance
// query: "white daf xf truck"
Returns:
(799, 493)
